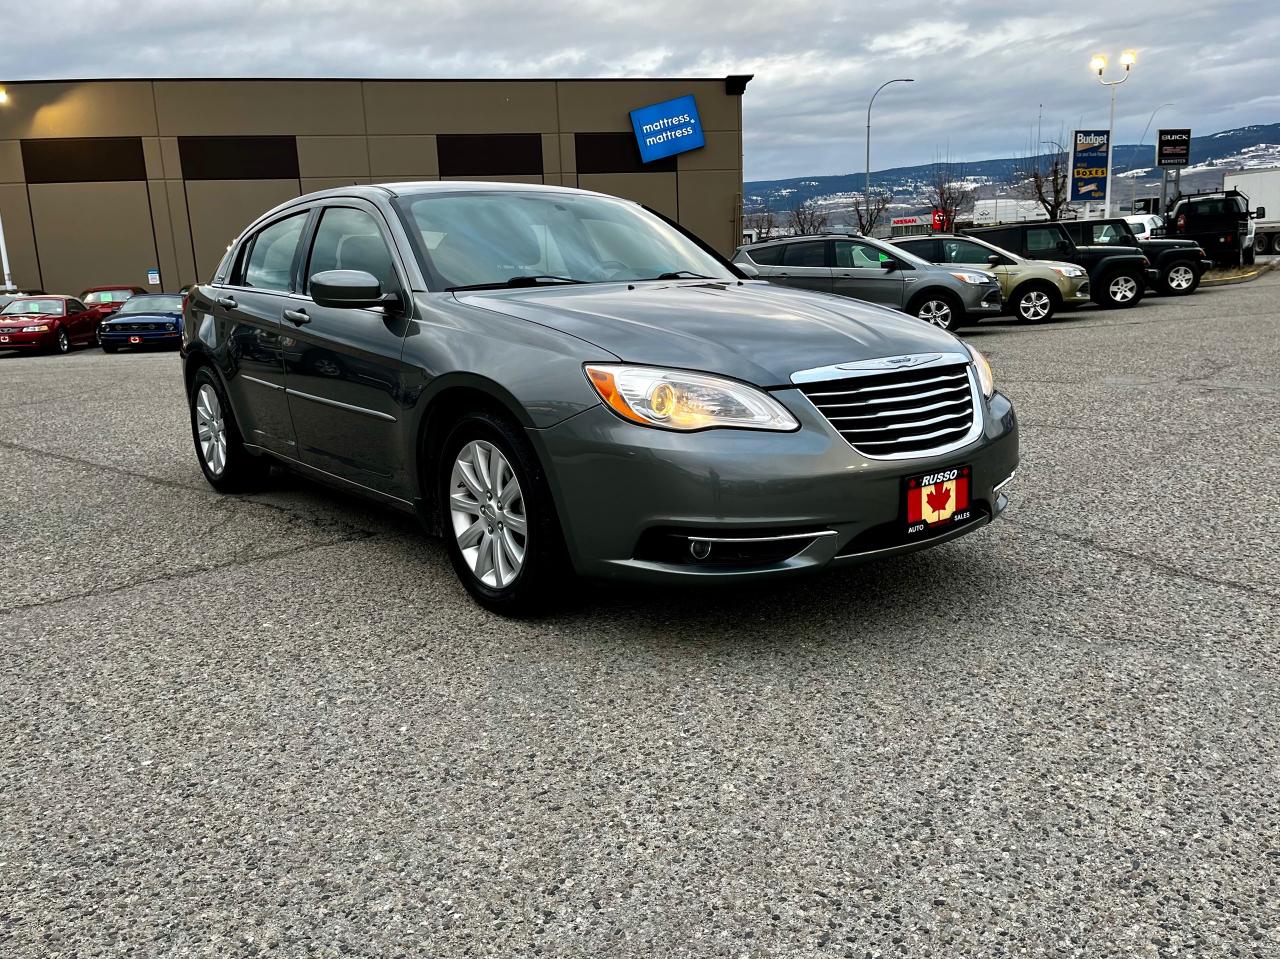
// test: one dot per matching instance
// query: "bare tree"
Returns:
(807, 218)
(947, 190)
(764, 224)
(1045, 177)
(870, 209)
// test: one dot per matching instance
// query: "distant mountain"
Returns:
(1211, 156)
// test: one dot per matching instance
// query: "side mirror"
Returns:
(747, 269)
(888, 265)
(347, 289)
(994, 259)
(1260, 213)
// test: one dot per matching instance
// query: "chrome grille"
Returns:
(895, 415)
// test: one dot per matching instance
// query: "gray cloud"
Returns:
(984, 70)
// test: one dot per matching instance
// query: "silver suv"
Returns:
(848, 264)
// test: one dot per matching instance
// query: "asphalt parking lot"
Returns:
(275, 725)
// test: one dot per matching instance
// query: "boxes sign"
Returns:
(1089, 165)
(667, 128)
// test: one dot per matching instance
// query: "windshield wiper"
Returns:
(525, 280)
(681, 275)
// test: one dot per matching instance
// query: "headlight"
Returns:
(676, 400)
(985, 378)
(977, 279)
(36, 329)
(1071, 271)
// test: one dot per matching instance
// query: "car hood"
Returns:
(145, 318)
(1165, 244)
(752, 331)
(24, 319)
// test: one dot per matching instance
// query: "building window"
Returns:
(238, 158)
(490, 154)
(615, 153)
(84, 160)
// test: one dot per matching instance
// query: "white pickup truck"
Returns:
(1262, 187)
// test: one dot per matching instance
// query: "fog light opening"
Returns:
(699, 548)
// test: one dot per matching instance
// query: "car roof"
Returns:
(44, 296)
(108, 289)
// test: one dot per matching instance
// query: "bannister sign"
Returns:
(1173, 148)
(667, 128)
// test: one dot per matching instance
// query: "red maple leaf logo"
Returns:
(938, 498)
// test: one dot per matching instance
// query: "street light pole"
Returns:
(1099, 65)
(1133, 181)
(866, 194)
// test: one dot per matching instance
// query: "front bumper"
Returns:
(983, 300)
(28, 341)
(112, 337)
(619, 486)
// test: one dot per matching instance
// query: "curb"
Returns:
(1244, 278)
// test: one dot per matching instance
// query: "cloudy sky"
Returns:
(984, 70)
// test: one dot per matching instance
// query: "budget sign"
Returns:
(1089, 165)
(665, 129)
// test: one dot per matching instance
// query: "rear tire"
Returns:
(220, 450)
(1180, 279)
(1035, 302)
(1120, 290)
(938, 308)
(505, 543)
(1275, 243)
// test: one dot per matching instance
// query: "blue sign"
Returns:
(665, 129)
(1089, 166)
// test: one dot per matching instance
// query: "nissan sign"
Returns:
(1173, 148)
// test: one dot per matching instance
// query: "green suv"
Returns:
(1033, 290)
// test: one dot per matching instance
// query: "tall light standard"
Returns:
(4, 250)
(867, 192)
(1099, 66)
(1133, 180)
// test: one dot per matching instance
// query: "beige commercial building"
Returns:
(106, 181)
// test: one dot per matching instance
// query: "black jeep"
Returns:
(1118, 275)
(1180, 262)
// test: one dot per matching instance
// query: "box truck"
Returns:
(1262, 187)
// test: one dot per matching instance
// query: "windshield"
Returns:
(107, 296)
(20, 307)
(474, 239)
(155, 303)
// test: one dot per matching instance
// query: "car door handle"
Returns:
(297, 317)
(226, 302)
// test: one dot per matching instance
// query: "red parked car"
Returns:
(105, 300)
(50, 323)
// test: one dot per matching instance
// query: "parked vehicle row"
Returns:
(111, 317)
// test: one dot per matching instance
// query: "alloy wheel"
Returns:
(935, 312)
(1123, 289)
(1035, 305)
(211, 429)
(486, 510)
(1181, 278)
(64, 343)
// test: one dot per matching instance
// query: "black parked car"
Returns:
(1221, 223)
(1118, 275)
(1180, 262)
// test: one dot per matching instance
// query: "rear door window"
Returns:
(810, 253)
(963, 251)
(925, 249)
(1042, 239)
(767, 255)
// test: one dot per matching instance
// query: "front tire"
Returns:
(1036, 303)
(938, 309)
(1120, 291)
(108, 347)
(62, 342)
(500, 523)
(1247, 256)
(1180, 279)
(220, 450)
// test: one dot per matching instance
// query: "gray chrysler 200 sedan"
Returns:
(559, 381)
